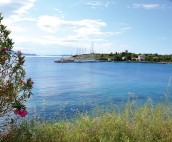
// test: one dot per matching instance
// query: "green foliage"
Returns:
(146, 123)
(128, 57)
(14, 88)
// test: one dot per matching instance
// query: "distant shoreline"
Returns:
(66, 57)
(144, 62)
(72, 60)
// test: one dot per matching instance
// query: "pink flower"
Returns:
(8, 81)
(22, 81)
(16, 112)
(19, 52)
(5, 49)
(21, 112)
(3, 87)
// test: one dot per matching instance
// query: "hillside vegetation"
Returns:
(146, 123)
(127, 57)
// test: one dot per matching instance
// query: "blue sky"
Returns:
(49, 27)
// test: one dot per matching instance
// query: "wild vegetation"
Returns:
(15, 88)
(146, 123)
(134, 124)
(123, 56)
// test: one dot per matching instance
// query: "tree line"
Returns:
(123, 56)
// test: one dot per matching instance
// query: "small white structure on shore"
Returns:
(141, 57)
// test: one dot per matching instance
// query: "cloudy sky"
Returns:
(49, 27)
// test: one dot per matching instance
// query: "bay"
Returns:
(62, 89)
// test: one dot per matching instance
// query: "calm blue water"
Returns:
(65, 87)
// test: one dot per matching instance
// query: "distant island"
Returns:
(28, 54)
(123, 56)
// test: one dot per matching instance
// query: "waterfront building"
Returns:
(141, 57)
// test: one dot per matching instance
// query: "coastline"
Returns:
(72, 60)
(119, 57)
(146, 62)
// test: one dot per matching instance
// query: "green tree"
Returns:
(14, 87)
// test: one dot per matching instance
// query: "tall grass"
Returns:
(145, 123)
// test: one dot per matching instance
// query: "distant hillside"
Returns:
(60, 55)
(126, 56)
(27, 54)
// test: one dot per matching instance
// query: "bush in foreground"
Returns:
(14, 87)
(135, 124)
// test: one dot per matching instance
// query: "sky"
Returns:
(55, 27)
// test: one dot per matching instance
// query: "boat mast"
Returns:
(92, 50)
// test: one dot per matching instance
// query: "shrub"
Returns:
(14, 88)
(134, 124)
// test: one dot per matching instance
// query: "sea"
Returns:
(65, 89)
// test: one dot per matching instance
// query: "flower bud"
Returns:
(19, 52)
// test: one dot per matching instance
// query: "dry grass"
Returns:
(134, 124)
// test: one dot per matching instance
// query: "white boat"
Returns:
(85, 60)
(65, 60)
(89, 60)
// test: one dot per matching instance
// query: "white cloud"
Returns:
(59, 12)
(78, 37)
(126, 28)
(50, 23)
(16, 16)
(99, 3)
(148, 6)
(89, 28)
(16, 7)
(82, 28)
(4, 2)
(36, 35)
(17, 19)
(24, 6)
(56, 32)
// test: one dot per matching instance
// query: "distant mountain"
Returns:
(28, 54)
(24, 54)
(60, 55)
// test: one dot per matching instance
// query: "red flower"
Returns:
(21, 112)
(17, 112)
(5, 49)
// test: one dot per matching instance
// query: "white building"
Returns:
(141, 57)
